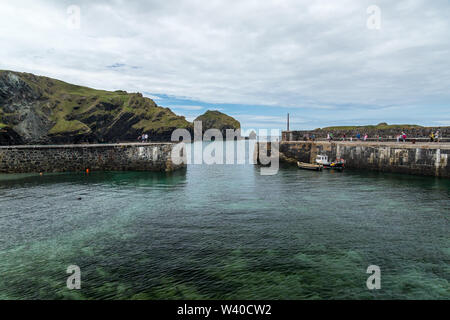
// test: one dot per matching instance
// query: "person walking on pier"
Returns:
(358, 136)
(403, 136)
(432, 136)
(437, 136)
(144, 138)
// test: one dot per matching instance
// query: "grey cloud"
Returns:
(279, 52)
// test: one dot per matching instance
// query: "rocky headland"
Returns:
(42, 110)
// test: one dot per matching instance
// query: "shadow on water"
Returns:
(414, 183)
(131, 179)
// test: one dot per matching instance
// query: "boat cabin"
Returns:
(320, 159)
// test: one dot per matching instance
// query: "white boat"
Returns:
(323, 160)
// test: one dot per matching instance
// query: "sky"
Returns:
(326, 63)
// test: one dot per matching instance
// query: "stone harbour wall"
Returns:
(98, 157)
(419, 159)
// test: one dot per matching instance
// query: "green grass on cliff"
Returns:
(74, 126)
(78, 109)
(158, 125)
(2, 125)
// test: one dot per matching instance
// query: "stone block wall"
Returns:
(297, 150)
(100, 157)
(410, 159)
(419, 159)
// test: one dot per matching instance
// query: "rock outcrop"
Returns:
(41, 110)
(218, 120)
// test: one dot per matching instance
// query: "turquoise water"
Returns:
(224, 232)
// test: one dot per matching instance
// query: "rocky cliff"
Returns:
(41, 110)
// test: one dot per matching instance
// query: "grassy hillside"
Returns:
(68, 112)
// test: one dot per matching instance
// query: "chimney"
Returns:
(288, 122)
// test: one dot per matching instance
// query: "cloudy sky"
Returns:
(255, 60)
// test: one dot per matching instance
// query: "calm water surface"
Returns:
(224, 232)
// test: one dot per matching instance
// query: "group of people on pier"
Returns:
(435, 136)
(143, 138)
(359, 137)
(402, 137)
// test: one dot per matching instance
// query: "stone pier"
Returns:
(430, 159)
(95, 157)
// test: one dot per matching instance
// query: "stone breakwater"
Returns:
(95, 157)
(419, 159)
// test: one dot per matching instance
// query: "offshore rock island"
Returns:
(218, 120)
